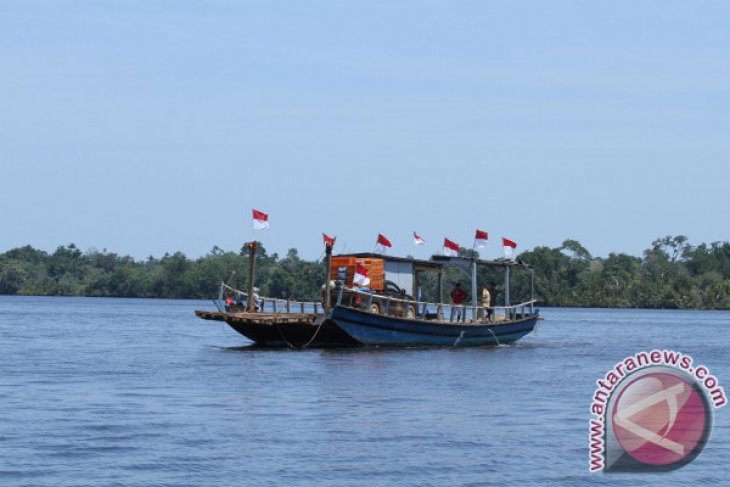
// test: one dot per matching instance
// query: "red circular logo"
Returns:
(661, 419)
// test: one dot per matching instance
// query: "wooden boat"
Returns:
(370, 329)
(385, 314)
(271, 322)
(280, 323)
(372, 318)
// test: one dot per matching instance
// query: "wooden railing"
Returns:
(265, 304)
(387, 305)
(409, 308)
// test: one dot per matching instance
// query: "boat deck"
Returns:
(311, 318)
(261, 318)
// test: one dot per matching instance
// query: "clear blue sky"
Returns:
(147, 127)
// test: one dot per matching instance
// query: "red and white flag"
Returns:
(328, 241)
(417, 239)
(480, 239)
(361, 275)
(451, 249)
(509, 246)
(382, 244)
(260, 220)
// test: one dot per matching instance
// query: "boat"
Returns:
(389, 319)
(384, 313)
(278, 323)
(275, 322)
(369, 329)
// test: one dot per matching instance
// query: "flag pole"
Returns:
(328, 264)
(251, 264)
(474, 285)
(506, 288)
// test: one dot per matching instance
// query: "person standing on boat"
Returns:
(256, 299)
(487, 303)
(458, 296)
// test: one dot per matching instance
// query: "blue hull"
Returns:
(373, 329)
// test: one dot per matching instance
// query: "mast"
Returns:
(251, 264)
(474, 285)
(506, 285)
(327, 260)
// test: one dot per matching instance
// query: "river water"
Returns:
(142, 393)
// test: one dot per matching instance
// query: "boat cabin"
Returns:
(402, 277)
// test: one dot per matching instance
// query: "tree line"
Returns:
(670, 274)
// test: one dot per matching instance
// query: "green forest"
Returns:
(671, 273)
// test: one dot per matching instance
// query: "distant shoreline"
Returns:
(211, 299)
(672, 274)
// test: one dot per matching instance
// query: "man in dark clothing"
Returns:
(458, 296)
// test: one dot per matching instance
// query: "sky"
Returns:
(146, 127)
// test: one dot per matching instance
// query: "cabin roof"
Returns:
(488, 263)
(438, 261)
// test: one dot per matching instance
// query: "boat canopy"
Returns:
(402, 271)
(439, 261)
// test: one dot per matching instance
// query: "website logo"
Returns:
(652, 412)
